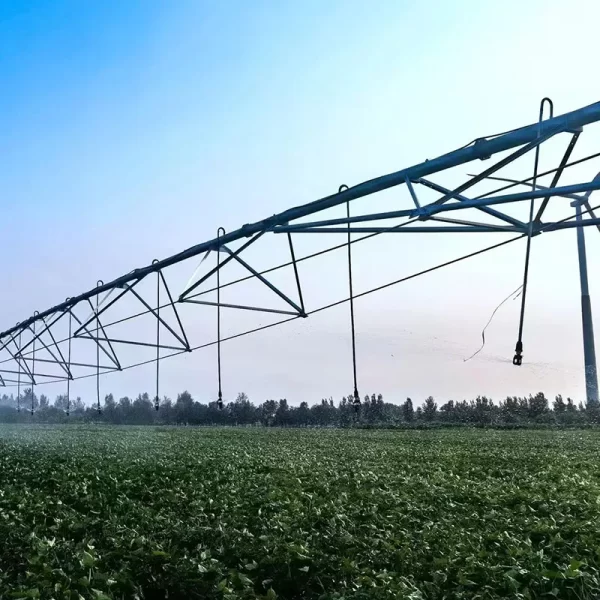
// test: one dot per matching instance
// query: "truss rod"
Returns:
(549, 172)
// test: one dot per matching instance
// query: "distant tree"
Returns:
(324, 414)
(243, 411)
(374, 411)
(183, 407)
(429, 409)
(509, 409)
(78, 405)
(559, 405)
(408, 412)
(463, 412)
(483, 410)
(61, 402)
(142, 410)
(267, 412)
(29, 400)
(592, 411)
(302, 415)
(345, 412)
(448, 412)
(377, 408)
(110, 409)
(538, 405)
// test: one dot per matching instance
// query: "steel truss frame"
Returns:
(33, 347)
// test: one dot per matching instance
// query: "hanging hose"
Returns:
(33, 369)
(157, 397)
(68, 411)
(356, 400)
(514, 295)
(518, 357)
(19, 378)
(98, 407)
(220, 394)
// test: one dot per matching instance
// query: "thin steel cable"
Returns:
(322, 308)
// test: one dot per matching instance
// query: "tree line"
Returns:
(373, 411)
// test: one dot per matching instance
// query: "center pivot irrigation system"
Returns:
(74, 340)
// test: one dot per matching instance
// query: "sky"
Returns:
(130, 131)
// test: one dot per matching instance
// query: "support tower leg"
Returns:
(589, 350)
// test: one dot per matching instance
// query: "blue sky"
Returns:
(129, 131)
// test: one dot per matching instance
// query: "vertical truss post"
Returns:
(295, 265)
(589, 350)
(220, 232)
(68, 412)
(518, 357)
(157, 397)
(356, 401)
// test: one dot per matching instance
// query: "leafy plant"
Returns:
(98, 512)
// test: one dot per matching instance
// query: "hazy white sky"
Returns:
(131, 131)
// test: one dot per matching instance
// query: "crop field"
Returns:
(101, 512)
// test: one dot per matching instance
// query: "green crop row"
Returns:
(104, 512)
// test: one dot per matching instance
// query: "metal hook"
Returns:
(544, 101)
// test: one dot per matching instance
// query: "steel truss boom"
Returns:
(481, 149)
(43, 342)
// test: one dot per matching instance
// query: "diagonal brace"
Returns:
(265, 281)
(486, 209)
(160, 319)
